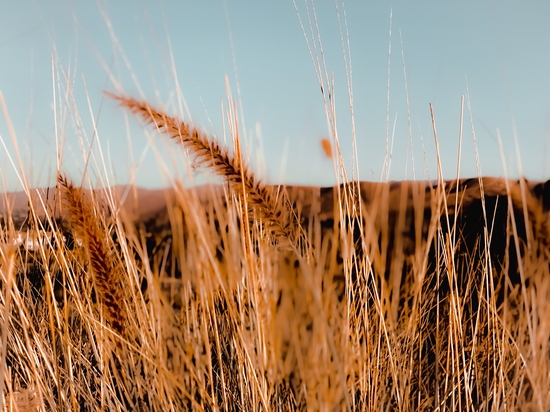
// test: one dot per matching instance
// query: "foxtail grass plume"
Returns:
(107, 277)
(270, 209)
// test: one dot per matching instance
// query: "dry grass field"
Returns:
(366, 296)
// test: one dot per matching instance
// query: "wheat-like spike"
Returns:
(210, 154)
(107, 279)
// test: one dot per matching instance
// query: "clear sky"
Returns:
(58, 57)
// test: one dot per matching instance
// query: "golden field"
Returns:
(243, 296)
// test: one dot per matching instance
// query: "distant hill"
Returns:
(138, 203)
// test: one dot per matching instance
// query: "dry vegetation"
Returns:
(273, 298)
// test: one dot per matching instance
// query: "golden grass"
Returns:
(194, 310)
(108, 280)
(208, 153)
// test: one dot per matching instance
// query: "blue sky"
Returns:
(499, 50)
